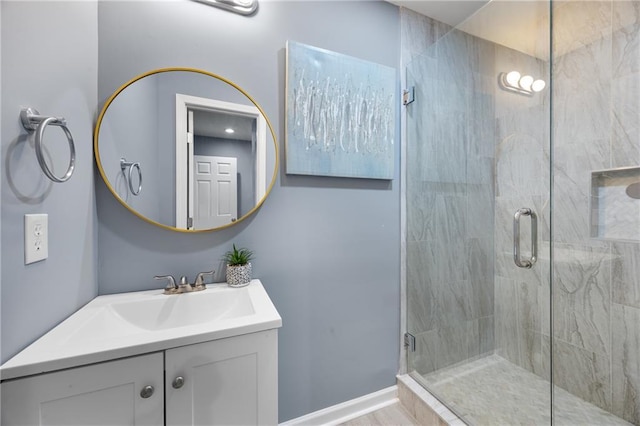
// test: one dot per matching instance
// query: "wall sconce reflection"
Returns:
(522, 84)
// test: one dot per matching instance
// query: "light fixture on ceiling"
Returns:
(243, 7)
(229, 130)
(525, 85)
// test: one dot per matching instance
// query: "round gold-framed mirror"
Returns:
(186, 149)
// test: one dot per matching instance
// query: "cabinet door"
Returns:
(99, 394)
(230, 381)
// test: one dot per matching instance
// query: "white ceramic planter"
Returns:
(239, 275)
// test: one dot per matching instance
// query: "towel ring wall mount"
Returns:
(33, 121)
(124, 164)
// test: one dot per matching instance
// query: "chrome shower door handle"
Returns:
(524, 263)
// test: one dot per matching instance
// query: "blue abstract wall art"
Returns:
(341, 116)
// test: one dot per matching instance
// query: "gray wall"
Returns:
(327, 249)
(59, 80)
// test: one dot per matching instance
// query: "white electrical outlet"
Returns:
(36, 237)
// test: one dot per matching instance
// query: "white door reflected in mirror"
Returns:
(215, 191)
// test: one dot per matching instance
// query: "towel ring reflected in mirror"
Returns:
(127, 168)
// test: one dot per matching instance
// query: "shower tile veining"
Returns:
(493, 391)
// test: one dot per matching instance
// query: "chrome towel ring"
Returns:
(32, 120)
(123, 166)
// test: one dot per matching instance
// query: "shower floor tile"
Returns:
(493, 391)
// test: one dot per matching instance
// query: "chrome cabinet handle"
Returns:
(178, 382)
(147, 391)
(524, 263)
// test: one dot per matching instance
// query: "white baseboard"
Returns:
(348, 410)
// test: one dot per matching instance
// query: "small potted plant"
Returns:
(238, 266)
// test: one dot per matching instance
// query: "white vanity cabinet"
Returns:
(144, 358)
(102, 394)
(231, 381)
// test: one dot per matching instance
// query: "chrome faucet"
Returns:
(184, 286)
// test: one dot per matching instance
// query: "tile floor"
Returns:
(493, 391)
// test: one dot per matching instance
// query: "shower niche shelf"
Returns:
(615, 204)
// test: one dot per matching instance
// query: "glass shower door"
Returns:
(478, 174)
(485, 153)
(596, 218)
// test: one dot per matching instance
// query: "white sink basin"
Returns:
(162, 312)
(127, 324)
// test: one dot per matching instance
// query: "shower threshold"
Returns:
(493, 391)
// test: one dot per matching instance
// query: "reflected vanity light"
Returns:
(538, 85)
(243, 7)
(513, 81)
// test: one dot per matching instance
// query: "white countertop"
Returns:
(98, 332)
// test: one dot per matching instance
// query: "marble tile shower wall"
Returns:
(475, 155)
(522, 179)
(450, 201)
(596, 126)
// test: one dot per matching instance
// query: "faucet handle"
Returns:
(171, 287)
(199, 284)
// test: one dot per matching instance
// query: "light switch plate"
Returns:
(36, 237)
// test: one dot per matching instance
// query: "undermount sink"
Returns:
(127, 324)
(162, 312)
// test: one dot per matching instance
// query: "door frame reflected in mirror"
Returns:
(185, 185)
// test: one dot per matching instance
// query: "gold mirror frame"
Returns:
(153, 222)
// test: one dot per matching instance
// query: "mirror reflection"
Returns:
(186, 150)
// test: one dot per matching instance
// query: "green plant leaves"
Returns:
(237, 256)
